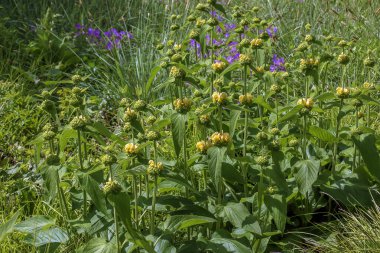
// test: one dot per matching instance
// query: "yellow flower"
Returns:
(203, 146)
(219, 98)
(306, 102)
(131, 149)
(220, 139)
(246, 99)
(342, 92)
(154, 168)
(219, 66)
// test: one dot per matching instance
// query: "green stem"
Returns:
(152, 225)
(304, 136)
(335, 153)
(81, 167)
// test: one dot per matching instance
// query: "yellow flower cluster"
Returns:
(131, 149)
(219, 66)
(306, 102)
(183, 105)
(246, 99)
(220, 139)
(309, 64)
(245, 59)
(256, 43)
(203, 146)
(219, 98)
(155, 168)
(342, 92)
(130, 115)
(368, 85)
(177, 73)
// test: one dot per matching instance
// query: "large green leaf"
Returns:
(216, 156)
(260, 101)
(8, 226)
(231, 245)
(306, 175)
(121, 203)
(34, 223)
(51, 181)
(42, 237)
(152, 76)
(178, 130)
(91, 186)
(322, 134)
(236, 213)
(276, 204)
(370, 154)
(177, 222)
(292, 113)
(99, 245)
(235, 115)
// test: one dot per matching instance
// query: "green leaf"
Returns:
(322, 134)
(277, 207)
(306, 175)
(48, 236)
(260, 101)
(8, 226)
(34, 223)
(216, 156)
(178, 131)
(121, 203)
(235, 115)
(91, 186)
(231, 174)
(293, 112)
(51, 181)
(367, 147)
(325, 96)
(152, 76)
(100, 128)
(231, 245)
(177, 222)
(100, 245)
(236, 213)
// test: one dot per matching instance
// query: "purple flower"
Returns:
(272, 30)
(278, 64)
(218, 17)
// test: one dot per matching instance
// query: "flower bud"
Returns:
(78, 122)
(220, 98)
(153, 135)
(245, 60)
(256, 43)
(131, 149)
(112, 187)
(182, 105)
(262, 160)
(130, 115)
(343, 59)
(342, 92)
(139, 105)
(220, 139)
(219, 66)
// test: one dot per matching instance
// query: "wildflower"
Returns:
(278, 64)
(274, 145)
(244, 43)
(48, 135)
(154, 168)
(130, 115)
(368, 85)
(151, 119)
(220, 139)
(342, 43)
(153, 135)
(275, 131)
(343, 59)
(108, 160)
(275, 88)
(256, 43)
(302, 47)
(246, 99)
(306, 103)
(245, 60)
(127, 127)
(219, 66)
(220, 98)
(309, 38)
(342, 92)
(262, 160)
(177, 73)
(369, 62)
(76, 79)
(308, 65)
(182, 105)
(203, 146)
(272, 31)
(261, 136)
(360, 115)
(139, 105)
(212, 21)
(131, 149)
(200, 22)
(293, 143)
(112, 186)
(204, 119)
(78, 122)
(194, 34)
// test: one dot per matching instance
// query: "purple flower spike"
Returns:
(278, 64)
